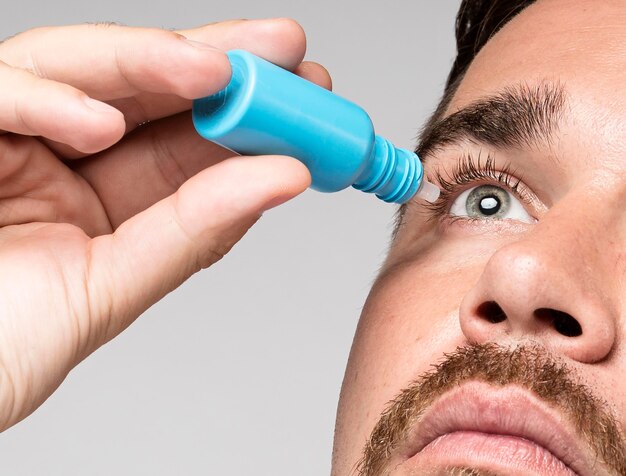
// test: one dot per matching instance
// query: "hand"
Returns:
(108, 197)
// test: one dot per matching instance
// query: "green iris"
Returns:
(488, 201)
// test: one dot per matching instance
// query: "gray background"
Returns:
(239, 370)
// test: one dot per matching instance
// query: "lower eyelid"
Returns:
(479, 226)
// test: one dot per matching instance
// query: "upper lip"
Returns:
(508, 410)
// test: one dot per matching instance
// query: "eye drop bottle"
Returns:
(268, 110)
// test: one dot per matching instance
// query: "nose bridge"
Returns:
(557, 284)
(580, 239)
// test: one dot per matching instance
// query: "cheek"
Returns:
(409, 321)
(405, 321)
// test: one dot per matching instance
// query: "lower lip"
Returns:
(504, 454)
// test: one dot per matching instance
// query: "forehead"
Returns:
(582, 41)
(580, 44)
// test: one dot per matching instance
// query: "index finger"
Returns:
(137, 70)
(112, 62)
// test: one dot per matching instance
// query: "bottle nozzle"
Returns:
(395, 175)
(428, 191)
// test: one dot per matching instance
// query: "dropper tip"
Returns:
(428, 191)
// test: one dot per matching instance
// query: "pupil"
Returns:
(489, 205)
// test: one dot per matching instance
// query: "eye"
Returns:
(489, 202)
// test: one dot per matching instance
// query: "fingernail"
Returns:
(200, 45)
(98, 106)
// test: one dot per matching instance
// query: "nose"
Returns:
(549, 287)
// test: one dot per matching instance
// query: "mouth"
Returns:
(501, 430)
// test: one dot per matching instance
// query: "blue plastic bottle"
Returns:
(268, 110)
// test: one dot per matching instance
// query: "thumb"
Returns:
(157, 250)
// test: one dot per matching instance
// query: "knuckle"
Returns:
(29, 34)
(33, 36)
(104, 25)
(159, 34)
(211, 256)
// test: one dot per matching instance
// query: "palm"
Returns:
(42, 338)
(37, 185)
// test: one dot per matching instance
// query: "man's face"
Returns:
(515, 281)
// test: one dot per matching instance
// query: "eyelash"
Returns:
(470, 170)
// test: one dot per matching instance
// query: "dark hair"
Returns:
(476, 22)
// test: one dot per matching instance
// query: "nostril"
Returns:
(491, 311)
(563, 322)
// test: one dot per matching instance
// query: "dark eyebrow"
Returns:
(519, 116)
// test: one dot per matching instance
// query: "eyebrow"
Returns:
(521, 116)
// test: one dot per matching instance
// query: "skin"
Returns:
(438, 272)
(101, 217)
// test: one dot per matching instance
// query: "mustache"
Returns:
(529, 366)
